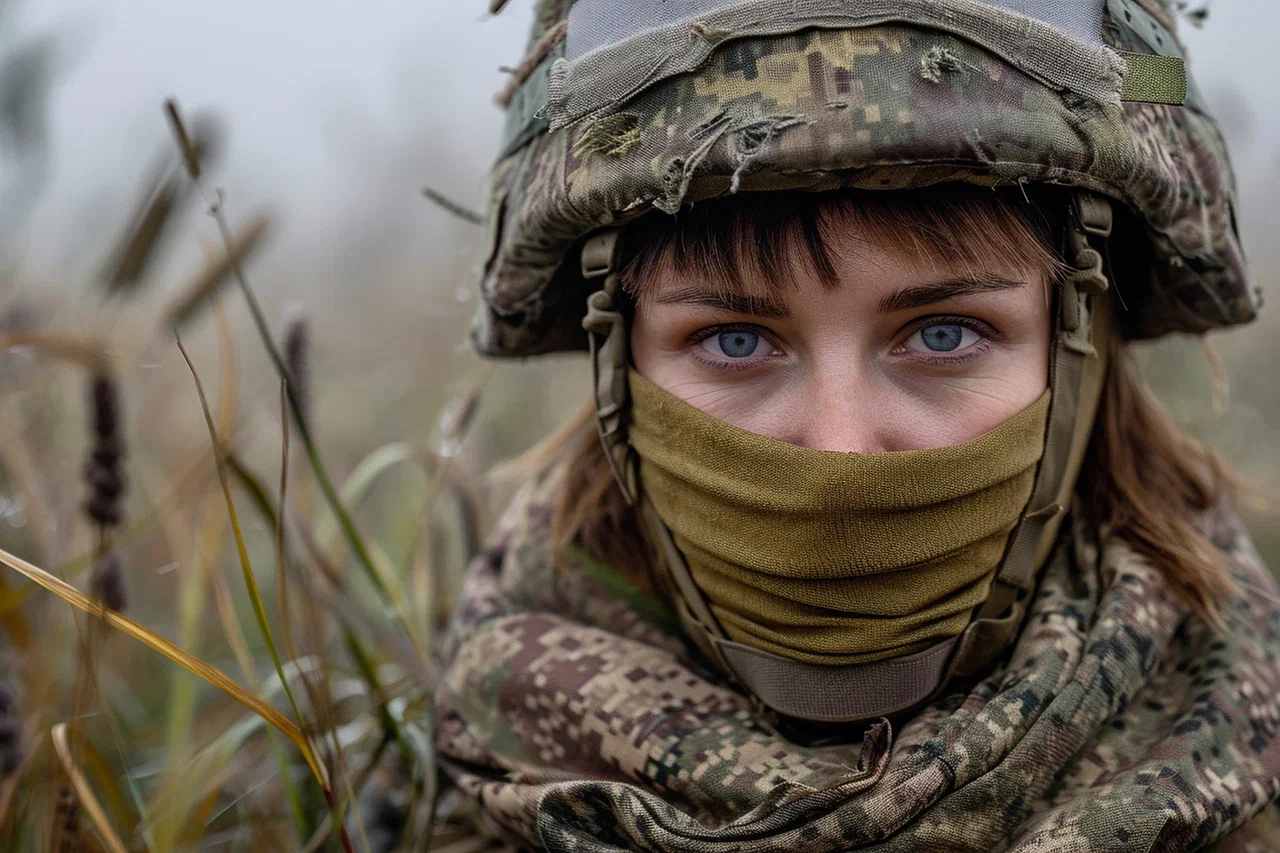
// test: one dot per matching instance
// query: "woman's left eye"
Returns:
(736, 344)
(943, 338)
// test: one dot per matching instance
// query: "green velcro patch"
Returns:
(1154, 79)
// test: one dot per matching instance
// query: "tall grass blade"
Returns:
(218, 272)
(282, 599)
(190, 156)
(155, 642)
(362, 478)
(246, 568)
(349, 529)
(282, 579)
(108, 782)
(452, 207)
(204, 548)
(136, 253)
(88, 353)
(84, 793)
(260, 611)
(339, 605)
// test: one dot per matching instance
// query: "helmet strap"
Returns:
(1078, 359)
(607, 343)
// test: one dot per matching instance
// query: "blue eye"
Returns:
(738, 344)
(735, 344)
(943, 337)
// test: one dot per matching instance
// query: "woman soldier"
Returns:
(871, 538)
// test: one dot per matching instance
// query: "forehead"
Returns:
(598, 23)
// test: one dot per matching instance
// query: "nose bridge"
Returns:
(840, 411)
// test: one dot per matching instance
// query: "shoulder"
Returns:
(535, 572)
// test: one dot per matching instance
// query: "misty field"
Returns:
(272, 463)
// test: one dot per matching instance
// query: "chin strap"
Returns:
(1077, 366)
(779, 685)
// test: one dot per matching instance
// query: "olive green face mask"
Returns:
(833, 558)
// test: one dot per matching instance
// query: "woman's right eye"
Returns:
(736, 344)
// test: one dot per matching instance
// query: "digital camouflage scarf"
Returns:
(574, 714)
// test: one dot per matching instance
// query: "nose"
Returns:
(842, 413)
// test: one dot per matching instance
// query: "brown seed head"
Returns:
(108, 584)
(297, 359)
(103, 472)
(10, 732)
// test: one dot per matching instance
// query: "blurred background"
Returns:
(337, 113)
(331, 117)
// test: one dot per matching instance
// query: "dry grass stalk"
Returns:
(539, 52)
(88, 353)
(452, 207)
(220, 272)
(167, 195)
(154, 641)
(84, 794)
(190, 156)
(458, 417)
(305, 745)
(136, 253)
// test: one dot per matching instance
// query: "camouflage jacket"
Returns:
(577, 718)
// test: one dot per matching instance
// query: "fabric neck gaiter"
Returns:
(833, 558)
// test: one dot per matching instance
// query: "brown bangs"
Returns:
(751, 245)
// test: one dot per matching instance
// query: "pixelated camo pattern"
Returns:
(886, 106)
(1120, 723)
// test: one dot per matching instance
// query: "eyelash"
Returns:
(986, 332)
(975, 350)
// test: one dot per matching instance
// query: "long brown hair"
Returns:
(1143, 480)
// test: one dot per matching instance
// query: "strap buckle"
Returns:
(1091, 216)
(1094, 214)
(600, 254)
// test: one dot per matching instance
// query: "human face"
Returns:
(900, 355)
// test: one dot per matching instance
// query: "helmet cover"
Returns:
(624, 107)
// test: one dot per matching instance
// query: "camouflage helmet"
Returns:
(622, 107)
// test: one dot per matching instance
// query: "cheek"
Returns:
(938, 411)
(755, 403)
(650, 355)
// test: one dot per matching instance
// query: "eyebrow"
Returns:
(923, 295)
(919, 296)
(735, 302)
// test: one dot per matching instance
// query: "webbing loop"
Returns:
(607, 344)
